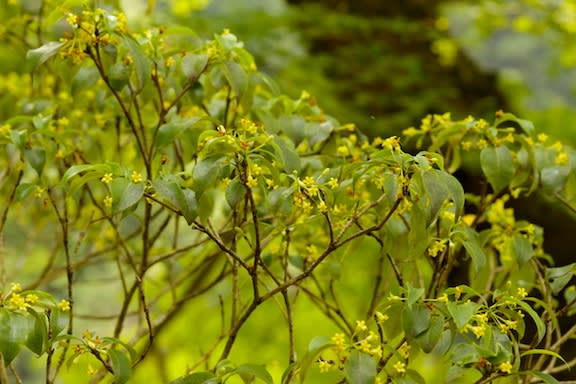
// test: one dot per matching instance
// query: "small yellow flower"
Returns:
(521, 292)
(505, 367)
(400, 367)
(91, 371)
(409, 132)
(251, 182)
(15, 287)
(322, 206)
(481, 144)
(169, 61)
(107, 178)
(343, 150)
(16, 301)
(478, 330)
(39, 191)
(542, 137)
(136, 177)
(381, 317)
(404, 350)
(64, 305)
(333, 182)
(443, 298)
(562, 158)
(361, 326)
(108, 201)
(437, 247)
(324, 366)
(466, 145)
(32, 298)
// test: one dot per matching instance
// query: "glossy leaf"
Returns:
(249, 372)
(121, 366)
(498, 165)
(125, 194)
(360, 368)
(461, 312)
(38, 56)
(196, 378)
(415, 320)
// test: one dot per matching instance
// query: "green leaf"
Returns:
(316, 346)
(415, 320)
(553, 178)
(38, 56)
(141, 62)
(36, 157)
(206, 172)
(121, 366)
(545, 377)
(461, 312)
(184, 200)
(540, 326)
(360, 368)
(285, 150)
(440, 186)
(236, 77)
(24, 190)
(522, 248)
(428, 340)
(119, 75)
(250, 371)
(15, 328)
(469, 239)
(171, 130)
(195, 378)
(125, 194)
(498, 165)
(235, 192)
(194, 64)
(559, 277)
(84, 79)
(413, 294)
(38, 336)
(538, 351)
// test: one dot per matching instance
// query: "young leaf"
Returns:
(125, 194)
(360, 368)
(461, 312)
(196, 378)
(498, 165)
(415, 320)
(36, 157)
(37, 57)
(250, 371)
(540, 326)
(121, 366)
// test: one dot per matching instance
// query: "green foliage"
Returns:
(174, 175)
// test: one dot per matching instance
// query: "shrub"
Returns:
(158, 180)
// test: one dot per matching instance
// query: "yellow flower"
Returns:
(107, 178)
(169, 61)
(562, 158)
(437, 247)
(64, 305)
(466, 145)
(404, 350)
(16, 301)
(251, 182)
(381, 317)
(505, 367)
(136, 177)
(400, 367)
(443, 298)
(343, 150)
(108, 201)
(39, 191)
(15, 287)
(481, 144)
(333, 183)
(32, 298)
(410, 132)
(324, 366)
(322, 207)
(361, 326)
(521, 292)
(542, 137)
